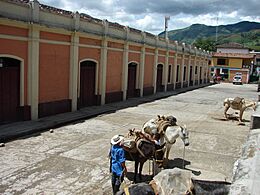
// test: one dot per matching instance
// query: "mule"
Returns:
(240, 105)
(144, 150)
(169, 136)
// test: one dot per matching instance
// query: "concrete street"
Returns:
(73, 159)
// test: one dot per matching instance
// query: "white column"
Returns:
(125, 70)
(188, 69)
(207, 70)
(194, 71)
(175, 70)
(165, 71)
(103, 70)
(142, 63)
(182, 69)
(33, 70)
(35, 10)
(74, 70)
(199, 72)
(155, 70)
(203, 71)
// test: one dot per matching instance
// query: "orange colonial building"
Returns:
(231, 59)
(54, 61)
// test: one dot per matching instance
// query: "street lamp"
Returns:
(167, 18)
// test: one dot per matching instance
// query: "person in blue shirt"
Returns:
(117, 160)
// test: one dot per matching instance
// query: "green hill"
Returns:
(246, 33)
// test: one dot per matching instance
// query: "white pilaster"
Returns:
(103, 70)
(166, 70)
(188, 67)
(194, 71)
(74, 70)
(155, 70)
(175, 70)
(103, 61)
(33, 70)
(142, 63)
(125, 70)
(35, 10)
(207, 70)
(182, 69)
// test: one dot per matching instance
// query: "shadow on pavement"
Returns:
(181, 164)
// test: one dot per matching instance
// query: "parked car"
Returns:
(237, 79)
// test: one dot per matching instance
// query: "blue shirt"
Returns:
(117, 158)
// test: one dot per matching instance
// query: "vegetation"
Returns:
(203, 36)
(207, 44)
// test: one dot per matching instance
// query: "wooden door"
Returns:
(191, 76)
(131, 80)
(9, 90)
(159, 86)
(87, 84)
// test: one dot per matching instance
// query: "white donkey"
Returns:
(169, 136)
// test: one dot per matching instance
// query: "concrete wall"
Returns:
(246, 173)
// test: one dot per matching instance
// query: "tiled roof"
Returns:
(55, 10)
(232, 45)
(89, 18)
(83, 16)
(20, 1)
(233, 55)
(116, 25)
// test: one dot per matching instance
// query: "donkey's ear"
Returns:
(158, 116)
(184, 126)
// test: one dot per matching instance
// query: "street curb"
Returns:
(16, 130)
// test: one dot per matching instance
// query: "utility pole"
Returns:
(217, 31)
(167, 18)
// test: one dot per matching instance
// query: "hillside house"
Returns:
(231, 59)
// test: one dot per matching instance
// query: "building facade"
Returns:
(231, 59)
(54, 61)
(255, 69)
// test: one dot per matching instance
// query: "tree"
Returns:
(205, 43)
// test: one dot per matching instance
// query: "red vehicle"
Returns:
(218, 79)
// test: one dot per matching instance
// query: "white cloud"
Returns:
(250, 18)
(149, 15)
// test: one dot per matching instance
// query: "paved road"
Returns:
(72, 159)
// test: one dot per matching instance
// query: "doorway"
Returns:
(131, 89)
(9, 89)
(159, 86)
(87, 84)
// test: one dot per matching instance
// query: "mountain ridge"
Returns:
(245, 32)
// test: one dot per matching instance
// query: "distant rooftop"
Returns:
(233, 55)
(232, 45)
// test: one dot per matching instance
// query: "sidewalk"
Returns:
(16, 130)
(246, 173)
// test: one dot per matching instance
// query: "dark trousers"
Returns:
(116, 182)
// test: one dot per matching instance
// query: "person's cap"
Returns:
(116, 139)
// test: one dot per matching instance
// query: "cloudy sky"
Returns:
(148, 15)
